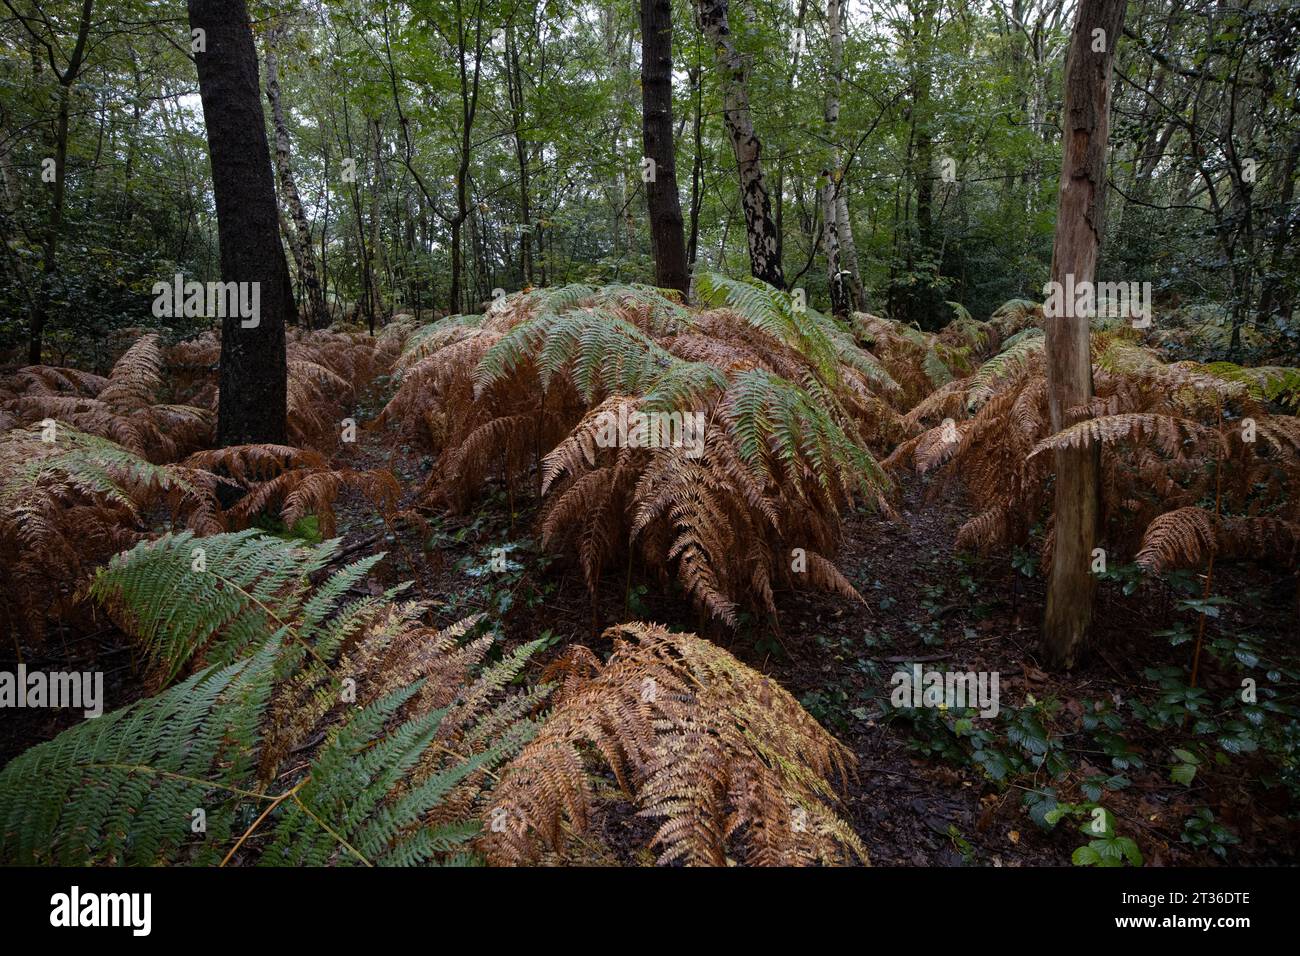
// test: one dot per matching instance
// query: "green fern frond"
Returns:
(94, 465)
(1269, 383)
(397, 781)
(664, 315)
(774, 312)
(123, 788)
(936, 370)
(1014, 309)
(427, 339)
(1015, 356)
(220, 594)
(561, 298)
(353, 773)
(773, 419)
(1128, 358)
(602, 353)
(963, 314)
(1189, 383)
(683, 386)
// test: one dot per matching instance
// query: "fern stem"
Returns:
(264, 814)
(298, 638)
(145, 768)
(330, 830)
(442, 748)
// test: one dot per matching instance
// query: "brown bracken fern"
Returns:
(1169, 436)
(121, 407)
(789, 406)
(723, 758)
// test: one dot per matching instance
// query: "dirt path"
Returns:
(925, 605)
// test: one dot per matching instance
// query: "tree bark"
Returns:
(657, 136)
(469, 89)
(301, 235)
(842, 270)
(848, 248)
(760, 228)
(253, 377)
(1079, 223)
(348, 147)
(515, 90)
(378, 259)
(1274, 302)
(831, 245)
(50, 248)
(697, 163)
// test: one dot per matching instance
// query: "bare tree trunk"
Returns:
(697, 165)
(251, 407)
(1274, 303)
(831, 245)
(925, 184)
(764, 240)
(848, 248)
(325, 228)
(515, 90)
(657, 135)
(469, 88)
(841, 254)
(1085, 122)
(348, 147)
(300, 238)
(377, 257)
(67, 77)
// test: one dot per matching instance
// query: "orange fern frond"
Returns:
(725, 758)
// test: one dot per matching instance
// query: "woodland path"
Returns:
(926, 605)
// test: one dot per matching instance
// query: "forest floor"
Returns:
(921, 795)
(917, 798)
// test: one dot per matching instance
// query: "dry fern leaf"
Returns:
(725, 758)
(1018, 356)
(296, 481)
(69, 500)
(1187, 537)
(785, 397)
(1169, 433)
(1160, 429)
(120, 408)
(248, 464)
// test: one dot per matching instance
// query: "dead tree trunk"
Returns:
(251, 407)
(1085, 120)
(764, 239)
(300, 238)
(657, 135)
